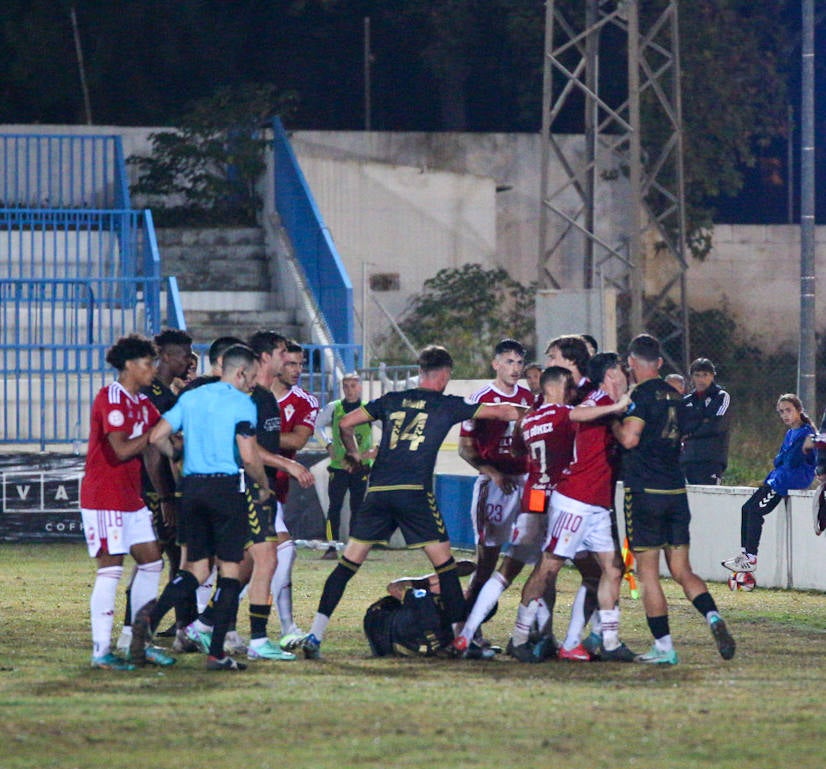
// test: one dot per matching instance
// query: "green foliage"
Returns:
(213, 161)
(468, 310)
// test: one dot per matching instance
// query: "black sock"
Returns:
(451, 590)
(186, 611)
(225, 605)
(174, 593)
(127, 613)
(259, 616)
(335, 585)
(659, 626)
(704, 603)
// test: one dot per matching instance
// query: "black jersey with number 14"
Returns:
(414, 424)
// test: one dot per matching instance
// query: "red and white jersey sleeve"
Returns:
(590, 476)
(108, 483)
(298, 407)
(548, 434)
(492, 437)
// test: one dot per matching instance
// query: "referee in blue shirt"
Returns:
(218, 421)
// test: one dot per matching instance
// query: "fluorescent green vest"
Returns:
(364, 438)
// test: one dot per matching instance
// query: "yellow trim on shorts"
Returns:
(402, 487)
(665, 491)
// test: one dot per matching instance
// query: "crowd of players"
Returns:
(548, 457)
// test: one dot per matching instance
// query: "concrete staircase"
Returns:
(228, 282)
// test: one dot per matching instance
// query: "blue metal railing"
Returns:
(59, 171)
(313, 245)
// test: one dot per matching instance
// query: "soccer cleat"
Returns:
(621, 654)
(111, 662)
(201, 638)
(578, 654)
(157, 656)
(182, 644)
(268, 651)
(655, 656)
(545, 648)
(234, 644)
(224, 663)
(311, 647)
(522, 652)
(141, 634)
(740, 562)
(725, 643)
(292, 641)
(593, 645)
(460, 648)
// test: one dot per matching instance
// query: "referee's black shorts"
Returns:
(214, 517)
(657, 519)
(414, 511)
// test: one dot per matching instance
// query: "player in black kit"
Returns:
(414, 424)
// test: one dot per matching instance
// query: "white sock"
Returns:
(204, 592)
(320, 622)
(486, 600)
(577, 621)
(282, 585)
(610, 628)
(664, 644)
(145, 585)
(525, 616)
(102, 608)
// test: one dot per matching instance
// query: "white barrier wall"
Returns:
(790, 553)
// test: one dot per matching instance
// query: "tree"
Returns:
(468, 310)
(213, 161)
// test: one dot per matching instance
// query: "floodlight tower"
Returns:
(632, 141)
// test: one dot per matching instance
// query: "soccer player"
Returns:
(174, 348)
(116, 520)
(545, 438)
(299, 410)
(497, 491)
(704, 424)
(264, 526)
(657, 516)
(580, 515)
(343, 477)
(414, 424)
(217, 419)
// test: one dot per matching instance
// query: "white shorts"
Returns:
(115, 530)
(494, 512)
(575, 526)
(278, 523)
(528, 536)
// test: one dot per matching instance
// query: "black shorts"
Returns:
(655, 520)
(214, 517)
(260, 517)
(414, 511)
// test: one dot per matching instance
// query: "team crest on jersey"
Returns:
(289, 411)
(116, 418)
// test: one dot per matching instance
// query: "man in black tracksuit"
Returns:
(704, 424)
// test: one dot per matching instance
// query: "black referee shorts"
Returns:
(214, 517)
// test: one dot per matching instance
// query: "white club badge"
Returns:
(116, 418)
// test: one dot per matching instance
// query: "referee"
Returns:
(216, 419)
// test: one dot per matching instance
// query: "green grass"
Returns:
(764, 708)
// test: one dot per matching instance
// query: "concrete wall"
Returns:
(384, 194)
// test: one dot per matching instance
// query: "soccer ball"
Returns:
(742, 580)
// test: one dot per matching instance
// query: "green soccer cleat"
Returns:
(201, 638)
(269, 651)
(655, 656)
(111, 662)
(292, 641)
(157, 656)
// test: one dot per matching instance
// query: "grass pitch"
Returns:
(764, 708)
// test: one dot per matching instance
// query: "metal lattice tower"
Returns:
(633, 141)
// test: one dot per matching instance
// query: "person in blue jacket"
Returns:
(794, 468)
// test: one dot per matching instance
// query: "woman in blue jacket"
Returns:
(794, 468)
